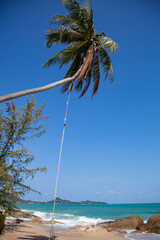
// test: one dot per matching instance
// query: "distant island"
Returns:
(60, 201)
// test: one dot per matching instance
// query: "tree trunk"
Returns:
(39, 89)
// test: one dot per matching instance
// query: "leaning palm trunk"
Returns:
(85, 48)
(39, 89)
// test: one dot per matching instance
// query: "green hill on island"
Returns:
(61, 201)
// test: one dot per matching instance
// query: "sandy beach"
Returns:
(34, 231)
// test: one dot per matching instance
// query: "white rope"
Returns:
(52, 235)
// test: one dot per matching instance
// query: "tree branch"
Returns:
(39, 89)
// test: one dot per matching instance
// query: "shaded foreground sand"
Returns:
(32, 231)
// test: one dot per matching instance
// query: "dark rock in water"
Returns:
(152, 226)
(143, 227)
(123, 223)
(155, 229)
(154, 220)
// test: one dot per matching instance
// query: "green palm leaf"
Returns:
(72, 51)
(67, 54)
(90, 18)
(65, 87)
(78, 13)
(58, 58)
(108, 43)
(74, 66)
(66, 21)
(78, 85)
(62, 36)
(105, 61)
(72, 70)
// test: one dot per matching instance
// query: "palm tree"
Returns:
(86, 50)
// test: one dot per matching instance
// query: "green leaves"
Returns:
(67, 54)
(108, 43)
(106, 63)
(72, 70)
(63, 36)
(66, 21)
(16, 128)
(86, 49)
(90, 18)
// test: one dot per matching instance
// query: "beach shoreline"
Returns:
(35, 223)
(35, 231)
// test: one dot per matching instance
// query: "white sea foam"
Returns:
(44, 215)
(142, 236)
(70, 220)
(67, 219)
(78, 220)
(13, 218)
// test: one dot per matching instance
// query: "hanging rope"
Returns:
(52, 235)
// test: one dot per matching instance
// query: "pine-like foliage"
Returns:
(16, 128)
(85, 50)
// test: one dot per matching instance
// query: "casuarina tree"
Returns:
(16, 128)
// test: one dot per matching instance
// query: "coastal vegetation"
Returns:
(16, 128)
(86, 50)
(2, 221)
(61, 201)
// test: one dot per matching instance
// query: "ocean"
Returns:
(77, 214)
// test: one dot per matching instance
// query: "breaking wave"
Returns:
(68, 220)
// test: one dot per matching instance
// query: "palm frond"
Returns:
(73, 50)
(66, 21)
(87, 83)
(61, 19)
(95, 73)
(63, 35)
(111, 74)
(67, 54)
(74, 66)
(65, 87)
(58, 58)
(72, 70)
(105, 60)
(90, 15)
(73, 8)
(78, 13)
(108, 43)
(70, 5)
(79, 85)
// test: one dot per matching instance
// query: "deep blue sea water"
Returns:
(72, 215)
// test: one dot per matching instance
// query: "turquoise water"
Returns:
(85, 214)
(71, 215)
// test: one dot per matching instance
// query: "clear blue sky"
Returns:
(112, 143)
